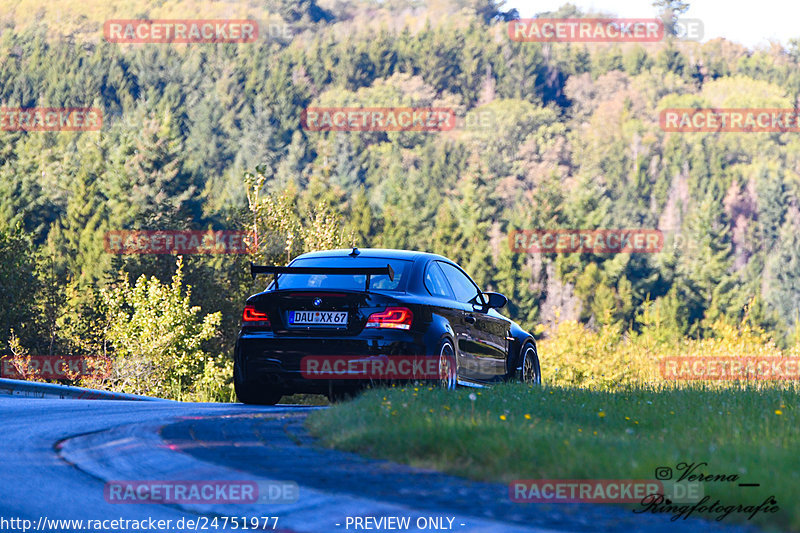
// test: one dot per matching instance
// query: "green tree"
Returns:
(18, 285)
(670, 10)
(157, 341)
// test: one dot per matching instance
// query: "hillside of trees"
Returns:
(549, 136)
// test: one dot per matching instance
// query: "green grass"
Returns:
(559, 433)
(305, 399)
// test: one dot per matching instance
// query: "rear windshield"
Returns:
(380, 282)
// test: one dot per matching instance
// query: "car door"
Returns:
(496, 335)
(485, 342)
(454, 311)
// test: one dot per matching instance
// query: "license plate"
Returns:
(322, 318)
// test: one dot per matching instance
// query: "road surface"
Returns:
(85, 460)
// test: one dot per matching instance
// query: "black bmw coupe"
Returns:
(332, 321)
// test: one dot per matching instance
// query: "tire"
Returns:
(448, 376)
(247, 393)
(530, 372)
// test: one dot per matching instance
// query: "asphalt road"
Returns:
(98, 461)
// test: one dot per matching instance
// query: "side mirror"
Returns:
(493, 300)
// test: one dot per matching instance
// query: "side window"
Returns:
(435, 281)
(462, 286)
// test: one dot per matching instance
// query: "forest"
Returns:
(547, 136)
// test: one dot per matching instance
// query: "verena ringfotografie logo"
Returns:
(137, 31)
(393, 367)
(179, 242)
(731, 368)
(50, 119)
(58, 367)
(378, 119)
(585, 241)
(740, 120)
(601, 490)
(182, 492)
(586, 30)
(695, 475)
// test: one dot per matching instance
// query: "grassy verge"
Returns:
(518, 432)
(305, 399)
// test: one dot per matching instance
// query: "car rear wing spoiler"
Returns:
(275, 270)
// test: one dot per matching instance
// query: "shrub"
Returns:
(157, 342)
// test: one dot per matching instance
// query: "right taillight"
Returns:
(252, 317)
(392, 317)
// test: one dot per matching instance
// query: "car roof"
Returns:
(380, 253)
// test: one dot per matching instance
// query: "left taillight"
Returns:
(252, 317)
(392, 317)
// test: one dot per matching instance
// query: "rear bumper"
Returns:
(275, 360)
